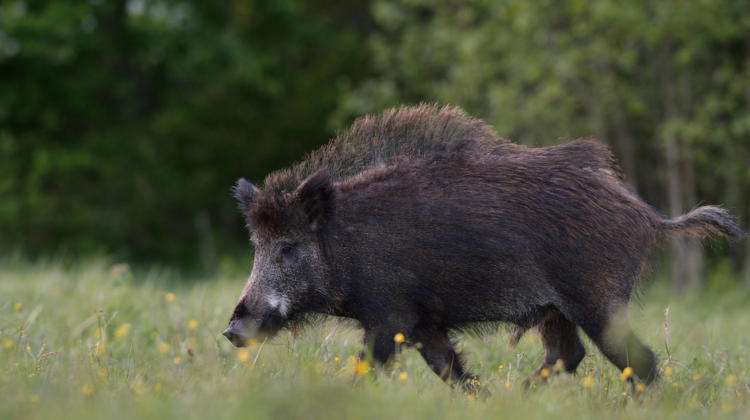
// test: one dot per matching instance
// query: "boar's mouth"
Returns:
(243, 328)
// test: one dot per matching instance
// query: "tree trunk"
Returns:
(694, 266)
(746, 209)
(206, 242)
(626, 144)
(677, 249)
(684, 267)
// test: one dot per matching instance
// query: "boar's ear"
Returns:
(315, 199)
(247, 194)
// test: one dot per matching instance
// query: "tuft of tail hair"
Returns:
(704, 221)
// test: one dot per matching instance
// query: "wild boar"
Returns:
(422, 221)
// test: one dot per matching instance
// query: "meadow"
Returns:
(95, 340)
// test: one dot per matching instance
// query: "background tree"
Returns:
(124, 124)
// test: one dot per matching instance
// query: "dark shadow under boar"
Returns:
(422, 221)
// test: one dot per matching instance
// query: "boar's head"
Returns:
(289, 277)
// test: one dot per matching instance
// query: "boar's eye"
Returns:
(286, 249)
(285, 252)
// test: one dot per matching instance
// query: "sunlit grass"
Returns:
(95, 341)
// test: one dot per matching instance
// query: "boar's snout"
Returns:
(235, 336)
(242, 327)
(245, 326)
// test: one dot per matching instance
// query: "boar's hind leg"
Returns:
(437, 350)
(561, 343)
(621, 346)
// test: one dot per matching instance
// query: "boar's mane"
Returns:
(406, 132)
(415, 132)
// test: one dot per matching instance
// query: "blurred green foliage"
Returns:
(123, 124)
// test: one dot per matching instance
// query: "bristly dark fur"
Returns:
(316, 196)
(703, 222)
(406, 132)
(422, 221)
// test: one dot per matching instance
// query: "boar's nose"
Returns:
(229, 334)
(235, 337)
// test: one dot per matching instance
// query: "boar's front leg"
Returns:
(379, 338)
(433, 344)
(438, 351)
(380, 342)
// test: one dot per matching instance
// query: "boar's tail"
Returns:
(705, 221)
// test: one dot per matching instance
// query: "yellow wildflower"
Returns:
(192, 324)
(675, 384)
(402, 376)
(587, 381)
(88, 390)
(138, 387)
(507, 384)
(7, 343)
(177, 360)
(545, 373)
(170, 297)
(500, 368)
(626, 373)
(731, 380)
(162, 347)
(336, 359)
(362, 367)
(17, 307)
(668, 371)
(639, 388)
(398, 338)
(696, 377)
(243, 355)
(123, 330)
(99, 349)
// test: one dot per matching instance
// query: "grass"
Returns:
(94, 341)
